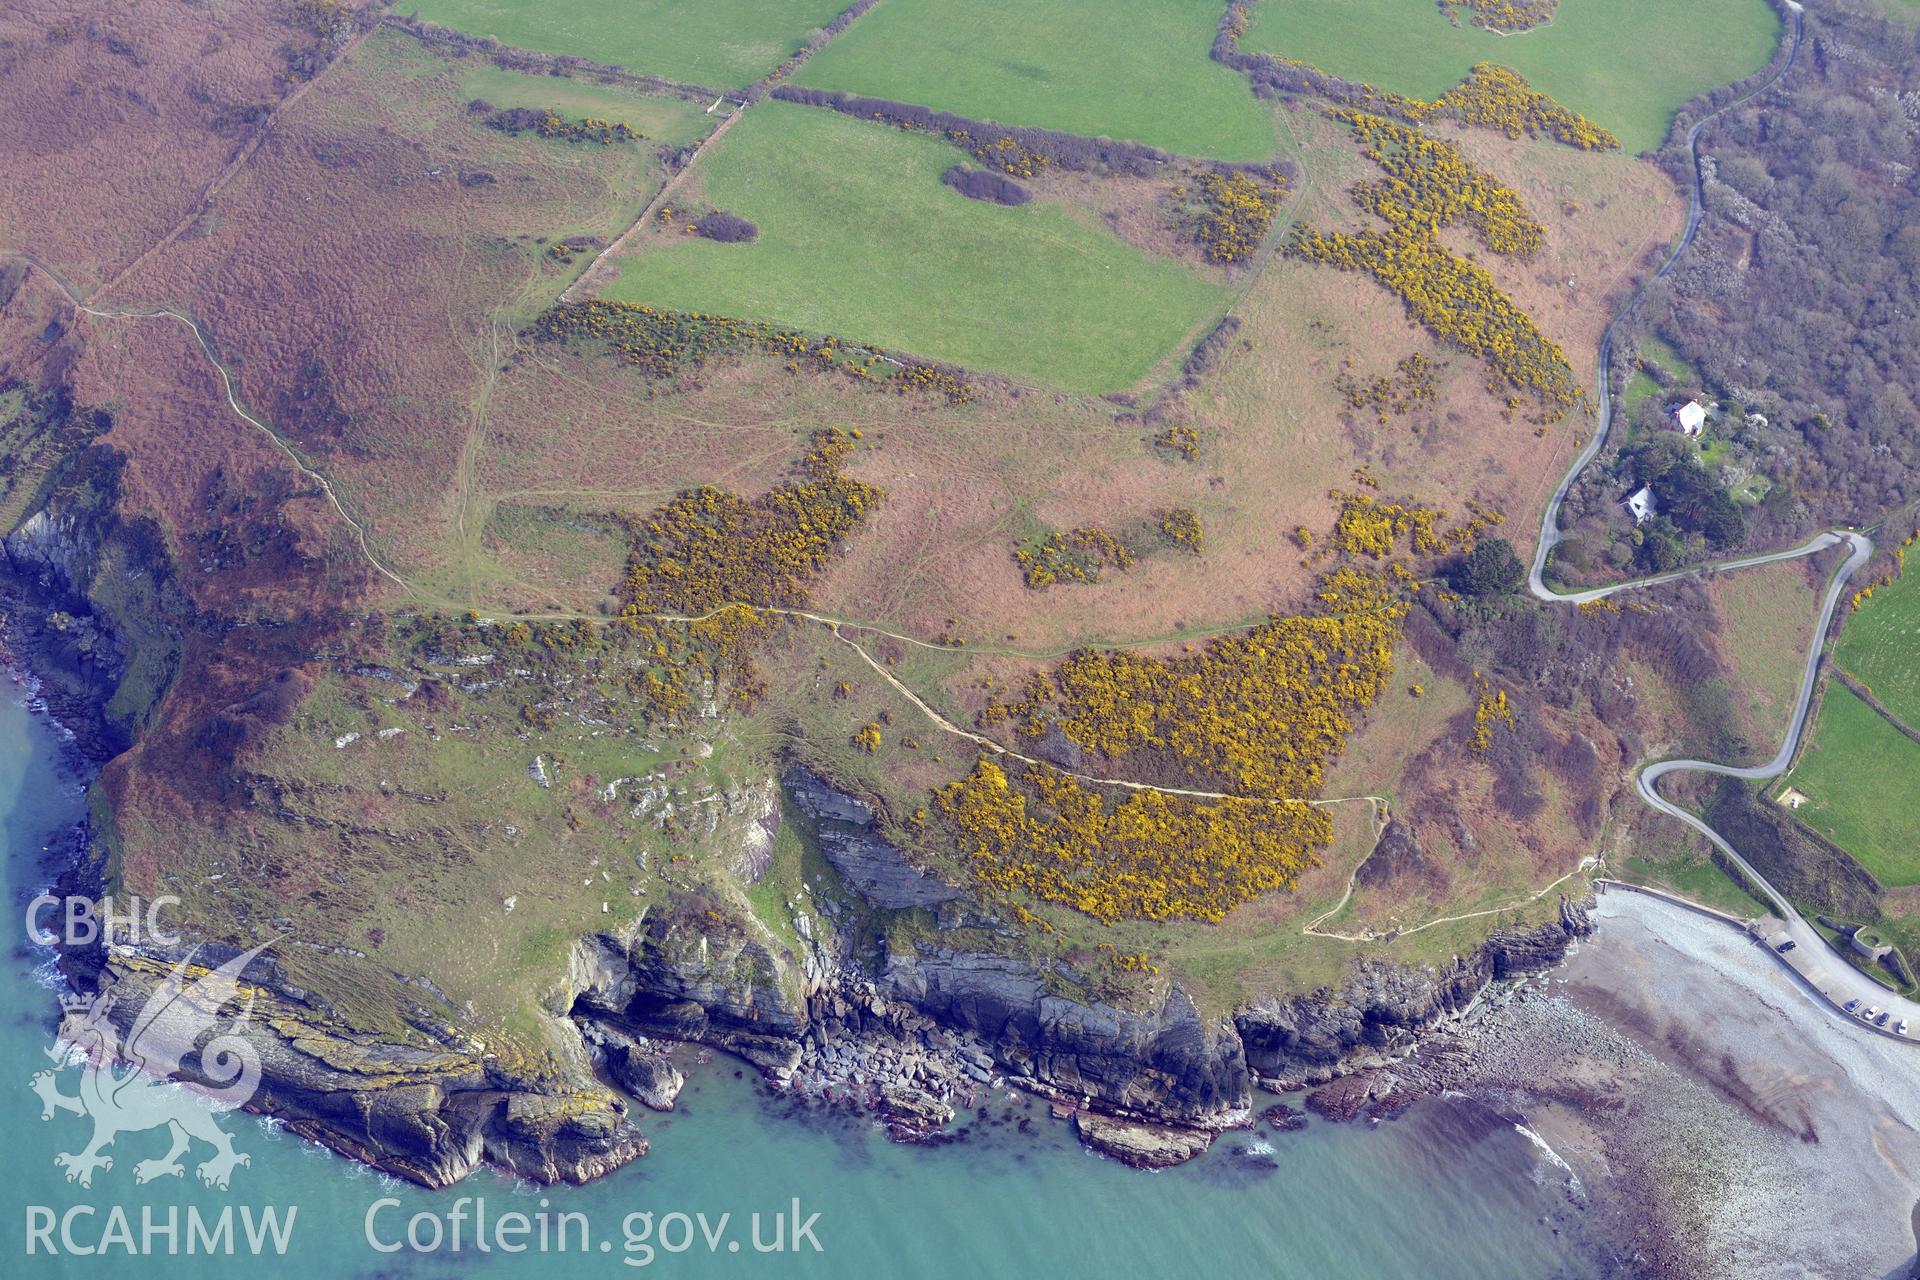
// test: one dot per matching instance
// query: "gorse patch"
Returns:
(1077, 555)
(551, 124)
(1504, 15)
(708, 547)
(1180, 526)
(1236, 207)
(1259, 716)
(1496, 97)
(1368, 526)
(1148, 855)
(1413, 382)
(661, 342)
(1430, 186)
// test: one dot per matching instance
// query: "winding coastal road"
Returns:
(1821, 972)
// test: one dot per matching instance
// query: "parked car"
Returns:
(1852, 1005)
(1900, 1028)
(1881, 1021)
(1786, 946)
(1873, 1011)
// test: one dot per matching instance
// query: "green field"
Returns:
(1691, 875)
(858, 237)
(1135, 69)
(1880, 647)
(1626, 64)
(725, 44)
(1860, 777)
(1641, 388)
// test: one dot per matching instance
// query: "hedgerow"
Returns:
(662, 343)
(1429, 187)
(1018, 151)
(551, 124)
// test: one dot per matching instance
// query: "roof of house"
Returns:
(1690, 415)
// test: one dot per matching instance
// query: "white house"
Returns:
(1640, 504)
(1690, 418)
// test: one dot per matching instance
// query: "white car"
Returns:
(1900, 1028)
(1873, 1011)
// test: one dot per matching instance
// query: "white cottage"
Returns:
(1690, 417)
(1640, 504)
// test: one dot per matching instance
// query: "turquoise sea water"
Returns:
(1449, 1192)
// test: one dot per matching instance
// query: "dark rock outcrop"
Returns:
(1381, 1009)
(848, 833)
(1397, 858)
(1170, 1064)
(428, 1114)
(679, 981)
(640, 1067)
(1144, 1146)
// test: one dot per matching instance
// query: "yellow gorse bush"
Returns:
(1430, 186)
(1413, 382)
(709, 547)
(1505, 15)
(1236, 209)
(1077, 555)
(1497, 97)
(1258, 716)
(661, 342)
(1181, 527)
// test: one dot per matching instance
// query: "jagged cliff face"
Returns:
(908, 1029)
(922, 1025)
(429, 1114)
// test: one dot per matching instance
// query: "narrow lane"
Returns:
(1822, 973)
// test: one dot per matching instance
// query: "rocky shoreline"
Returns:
(909, 1037)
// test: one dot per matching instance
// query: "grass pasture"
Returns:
(668, 121)
(1134, 69)
(1766, 623)
(1880, 647)
(1858, 776)
(1641, 388)
(1625, 64)
(859, 238)
(724, 44)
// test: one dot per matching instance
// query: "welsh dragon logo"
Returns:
(131, 1087)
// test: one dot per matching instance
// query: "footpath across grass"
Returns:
(1861, 777)
(1625, 64)
(858, 237)
(726, 44)
(1135, 69)
(1880, 647)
